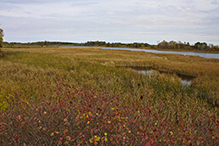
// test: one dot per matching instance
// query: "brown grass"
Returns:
(36, 76)
(188, 65)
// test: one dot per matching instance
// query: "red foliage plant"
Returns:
(73, 116)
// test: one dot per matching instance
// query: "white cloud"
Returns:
(118, 20)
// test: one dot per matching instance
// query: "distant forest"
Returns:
(172, 45)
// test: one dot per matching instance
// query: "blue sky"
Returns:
(110, 20)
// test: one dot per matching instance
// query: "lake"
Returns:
(204, 55)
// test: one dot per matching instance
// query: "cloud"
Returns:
(214, 2)
(29, 1)
(121, 20)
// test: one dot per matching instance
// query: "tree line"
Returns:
(201, 46)
(104, 44)
(88, 43)
(173, 45)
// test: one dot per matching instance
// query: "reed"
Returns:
(62, 80)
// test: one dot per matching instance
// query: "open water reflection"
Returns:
(204, 55)
(185, 80)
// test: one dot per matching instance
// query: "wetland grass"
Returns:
(63, 96)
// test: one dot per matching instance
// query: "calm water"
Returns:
(205, 55)
(185, 80)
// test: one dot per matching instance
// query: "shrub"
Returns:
(3, 101)
(2, 53)
(73, 116)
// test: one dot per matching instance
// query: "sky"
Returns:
(126, 21)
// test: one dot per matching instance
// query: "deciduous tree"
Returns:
(1, 42)
(1, 37)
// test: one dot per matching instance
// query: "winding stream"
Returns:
(204, 55)
(185, 80)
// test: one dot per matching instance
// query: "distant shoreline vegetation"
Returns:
(164, 45)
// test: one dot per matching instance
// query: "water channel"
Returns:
(185, 80)
(204, 55)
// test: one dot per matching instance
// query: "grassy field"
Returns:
(72, 96)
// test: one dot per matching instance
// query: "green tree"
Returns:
(201, 46)
(1, 37)
(217, 48)
(173, 45)
(163, 44)
(1, 42)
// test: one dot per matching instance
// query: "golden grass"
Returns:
(188, 65)
(33, 75)
(67, 59)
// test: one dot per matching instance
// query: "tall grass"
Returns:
(188, 65)
(35, 83)
(84, 116)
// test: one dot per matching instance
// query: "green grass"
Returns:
(36, 69)
(33, 77)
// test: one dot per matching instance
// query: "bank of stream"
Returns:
(185, 79)
(200, 54)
